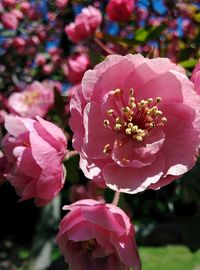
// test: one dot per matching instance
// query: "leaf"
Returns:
(144, 34)
(197, 17)
(95, 57)
(188, 63)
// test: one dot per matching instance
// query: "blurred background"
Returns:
(35, 45)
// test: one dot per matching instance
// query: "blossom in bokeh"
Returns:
(89, 191)
(97, 236)
(61, 3)
(77, 66)
(120, 10)
(35, 150)
(9, 20)
(85, 24)
(35, 99)
(136, 122)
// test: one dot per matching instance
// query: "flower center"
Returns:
(135, 119)
(31, 98)
(90, 244)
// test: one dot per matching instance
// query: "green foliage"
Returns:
(169, 258)
(143, 34)
(190, 63)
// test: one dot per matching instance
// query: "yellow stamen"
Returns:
(110, 112)
(106, 123)
(117, 127)
(107, 149)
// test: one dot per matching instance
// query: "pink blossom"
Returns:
(40, 59)
(18, 13)
(85, 24)
(10, 20)
(25, 7)
(48, 68)
(195, 78)
(136, 122)
(90, 191)
(77, 66)
(120, 10)
(19, 44)
(36, 99)
(61, 3)
(35, 149)
(9, 3)
(97, 236)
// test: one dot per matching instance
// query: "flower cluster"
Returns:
(91, 77)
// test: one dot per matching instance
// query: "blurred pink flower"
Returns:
(195, 78)
(77, 66)
(90, 191)
(136, 122)
(9, 3)
(40, 59)
(36, 99)
(97, 236)
(35, 150)
(120, 10)
(19, 44)
(85, 24)
(9, 20)
(61, 3)
(25, 6)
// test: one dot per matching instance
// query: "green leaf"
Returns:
(24, 254)
(95, 57)
(190, 63)
(197, 17)
(144, 34)
(141, 34)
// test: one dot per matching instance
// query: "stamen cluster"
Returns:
(135, 119)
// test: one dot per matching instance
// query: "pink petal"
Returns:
(96, 138)
(127, 250)
(100, 216)
(108, 75)
(131, 180)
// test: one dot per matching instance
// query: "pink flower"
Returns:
(36, 99)
(25, 7)
(61, 3)
(85, 24)
(136, 122)
(35, 150)
(19, 44)
(97, 236)
(40, 59)
(9, 3)
(90, 191)
(10, 20)
(77, 65)
(120, 10)
(195, 78)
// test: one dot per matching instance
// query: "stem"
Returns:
(103, 46)
(116, 198)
